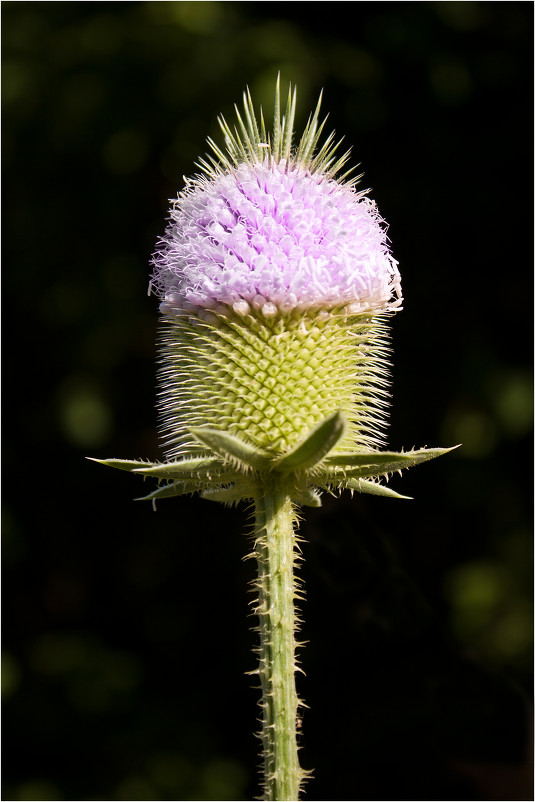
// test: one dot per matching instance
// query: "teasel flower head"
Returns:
(276, 281)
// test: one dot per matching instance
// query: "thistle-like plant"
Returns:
(276, 285)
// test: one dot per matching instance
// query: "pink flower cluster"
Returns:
(274, 238)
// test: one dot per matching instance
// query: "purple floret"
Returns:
(275, 238)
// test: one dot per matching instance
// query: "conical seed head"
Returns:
(271, 381)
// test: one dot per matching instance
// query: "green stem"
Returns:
(275, 552)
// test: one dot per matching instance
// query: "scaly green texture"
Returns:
(272, 380)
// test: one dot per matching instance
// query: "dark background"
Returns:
(126, 636)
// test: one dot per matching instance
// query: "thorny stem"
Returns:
(275, 553)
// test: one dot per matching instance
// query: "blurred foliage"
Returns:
(126, 633)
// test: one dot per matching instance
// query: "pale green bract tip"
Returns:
(248, 142)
